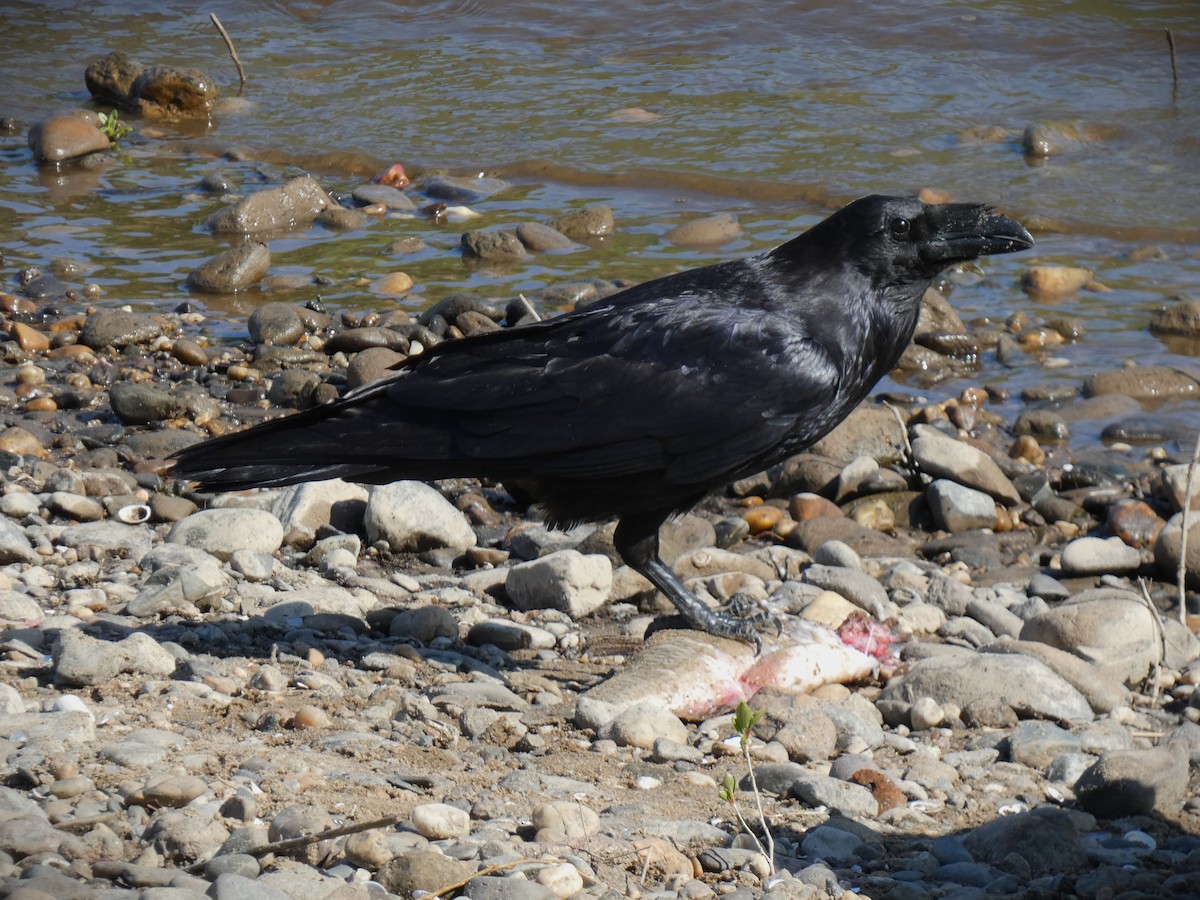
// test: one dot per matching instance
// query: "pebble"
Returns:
(439, 821)
(958, 508)
(236, 269)
(709, 231)
(1097, 556)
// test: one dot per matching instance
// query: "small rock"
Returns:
(438, 821)
(705, 232)
(412, 516)
(643, 723)
(539, 238)
(293, 205)
(592, 221)
(1135, 782)
(574, 821)
(1054, 281)
(957, 508)
(1097, 556)
(276, 323)
(566, 580)
(221, 532)
(236, 269)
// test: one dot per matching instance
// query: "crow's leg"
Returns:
(636, 539)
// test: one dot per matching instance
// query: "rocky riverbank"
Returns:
(999, 691)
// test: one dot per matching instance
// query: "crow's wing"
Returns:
(679, 388)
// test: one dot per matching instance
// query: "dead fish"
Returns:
(696, 675)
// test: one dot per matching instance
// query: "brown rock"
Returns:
(111, 78)
(167, 92)
(1154, 383)
(882, 788)
(29, 338)
(805, 506)
(1135, 522)
(60, 138)
(1182, 317)
(1054, 281)
(17, 440)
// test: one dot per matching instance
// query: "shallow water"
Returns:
(774, 112)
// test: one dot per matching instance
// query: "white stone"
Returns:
(411, 515)
(438, 821)
(222, 531)
(566, 580)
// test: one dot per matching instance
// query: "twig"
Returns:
(296, 843)
(242, 72)
(1185, 522)
(1154, 675)
(1174, 65)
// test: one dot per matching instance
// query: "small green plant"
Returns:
(113, 128)
(744, 720)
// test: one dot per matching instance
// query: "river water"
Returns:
(776, 112)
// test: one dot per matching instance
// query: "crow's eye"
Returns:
(899, 226)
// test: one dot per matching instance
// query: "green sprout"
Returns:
(113, 128)
(744, 720)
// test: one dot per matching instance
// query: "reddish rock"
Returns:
(60, 138)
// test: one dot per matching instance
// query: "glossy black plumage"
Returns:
(639, 405)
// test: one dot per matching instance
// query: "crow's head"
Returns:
(899, 240)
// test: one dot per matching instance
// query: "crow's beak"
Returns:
(966, 231)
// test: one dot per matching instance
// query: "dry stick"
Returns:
(295, 843)
(1174, 65)
(1185, 523)
(233, 53)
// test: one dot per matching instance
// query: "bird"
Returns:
(638, 406)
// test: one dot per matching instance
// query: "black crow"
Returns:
(639, 405)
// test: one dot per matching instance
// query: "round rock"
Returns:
(223, 531)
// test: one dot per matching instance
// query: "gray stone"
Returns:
(1037, 744)
(236, 886)
(412, 516)
(1048, 839)
(591, 221)
(708, 231)
(856, 586)
(1016, 682)
(834, 846)
(566, 580)
(1097, 556)
(236, 269)
(539, 238)
(1102, 692)
(1135, 782)
(294, 204)
(956, 507)
(276, 323)
(494, 887)
(306, 507)
(844, 797)
(944, 457)
(118, 328)
(1109, 627)
(643, 723)
(14, 545)
(222, 531)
